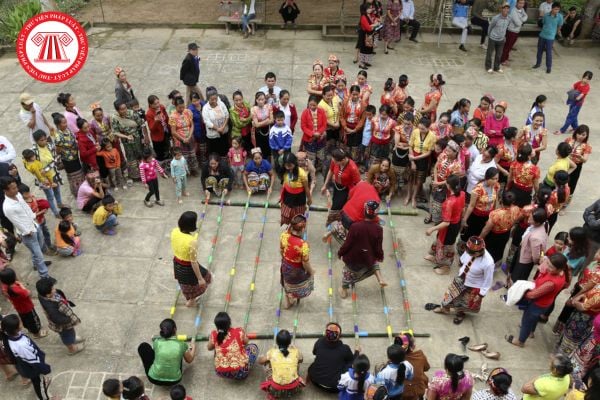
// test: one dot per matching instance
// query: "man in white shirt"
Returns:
(7, 151)
(19, 213)
(32, 116)
(544, 9)
(270, 90)
(408, 17)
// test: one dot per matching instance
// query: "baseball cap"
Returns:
(505, 5)
(26, 99)
(192, 46)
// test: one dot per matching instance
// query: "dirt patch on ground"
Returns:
(207, 11)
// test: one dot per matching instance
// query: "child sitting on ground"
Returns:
(179, 172)
(178, 393)
(44, 175)
(20, 297)
(237, 161)
(112, 162)
(61, 318)
(39, 208)
(67, 244)
(133, 389)
(395, 372)
(112, 389)
(105, 216)
(356, 380)
(66, 214)
(148, 168)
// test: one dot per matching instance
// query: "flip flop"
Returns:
(510, 338)
(431, 306)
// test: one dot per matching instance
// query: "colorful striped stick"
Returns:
(256, 262)
(330, 269)
(237, 253)
(355, 316)
(178, 294)
(301, 335)
(404, 291)
(278, 315)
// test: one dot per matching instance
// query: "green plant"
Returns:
(16, 15)
(69, 6)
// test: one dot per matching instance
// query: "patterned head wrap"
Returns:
(453, 146)
(333, 57)
(476, 244)
(371, 207)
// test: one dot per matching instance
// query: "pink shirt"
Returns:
(84, 194)
(148, 170)
(533, 244)
(492, 124)
(236, 157)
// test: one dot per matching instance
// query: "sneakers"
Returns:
(124, 187)
(148, 204)
(490, 71)
(160, 202)
(79, 339)
(109, 232)
(483, 46)
(41, 334)
(500, 71)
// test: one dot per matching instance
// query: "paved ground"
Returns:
(123, 285)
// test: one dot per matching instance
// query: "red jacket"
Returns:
(306, 123)
(293, 117)
(157, 129)
(87, 149)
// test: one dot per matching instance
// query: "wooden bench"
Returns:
(228, 20)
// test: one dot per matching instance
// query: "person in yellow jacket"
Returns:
(105, 217)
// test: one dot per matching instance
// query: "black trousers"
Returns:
(414, 24)
(484, 24)
(152, 189)
(31, 322)
(146, 353)
(161, 149)
(40, 388)
(89, 206)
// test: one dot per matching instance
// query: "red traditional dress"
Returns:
(507, 153)
(443, 247)
(435, 94)
(577, 153)
(233, 359)
(441, 130)
(316, 83)
(365, 92)
(485, 203)
(352, 117)
(387, 98)
(296, 281)
(293, 195)
(523, 177)
(535, 137)
(400, 94)
(328, 74)
(503, 218)
(381, 135)
(443, 169)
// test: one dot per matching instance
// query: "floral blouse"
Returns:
(524, 174)
(507, 153)
(504, 218)
(182, 125)
(444, 167)
(294, 250)
(534, 136)
(486, 198)
(102, 129)
(66, 145)
(578, 150)
(441, 384)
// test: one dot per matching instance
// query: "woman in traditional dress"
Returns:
(507, 151)
(442, 128)
(365, 89)
(579, 325)
(496, 231)
(362, 250)
(316, 80)
(401, 92)
(281, 365)
(391, 24)
(387, 98)
(181, 122)
(262, 119)
(383, 178)
(217, 177)
(343, 174)
(67, 100)
(296, 272)
(483, 109)
(536, 135)
(216, 117)
(258, 174)
(192, 277)
(123, 89)
(400, 161)
(473, 282)
(585, 361)
(295, 192)
(66, 148)
(341, 90)
(433, 97)
(365, 36)
(127, 123)
(333, 71)
(421, 144)
(331, 104)
(580, 152)
(524, 176)
(442, 250)
(241, 120)
(454, 383)
(313, 123)
(447, 164)
(88, 148)
(483, 200)
(234, 355)
(382, 130)
(352, 119)
(199, 140)
(559, 197)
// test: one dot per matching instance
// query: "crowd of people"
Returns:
(477, 174)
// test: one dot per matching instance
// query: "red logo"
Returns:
(52, 47)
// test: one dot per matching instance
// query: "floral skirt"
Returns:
(188, 282)
(352, 274)
(296, 282)
(277, 391)
(443, 248)
(577, 329)
(216, 187)
(242, 373)
(258, 183)
(466, 301)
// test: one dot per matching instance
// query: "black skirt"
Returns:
(522, 197)
(339, 198)
(495, 243)
(294, 200)
(400, 158)
(354, 139)
(262, 140)
(475, 224)
(574, 178)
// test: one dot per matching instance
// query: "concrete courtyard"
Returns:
(123, 285)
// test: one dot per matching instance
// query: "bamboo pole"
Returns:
(311, 208)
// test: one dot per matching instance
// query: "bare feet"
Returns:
(407, 201)
(289, 303)
(190, 303)
(430, 258)
(343, 293)
(382, 284)
(441, 310)
(414, 203)
(326, 236)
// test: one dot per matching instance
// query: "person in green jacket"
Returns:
(241, 120)
(163, 361)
